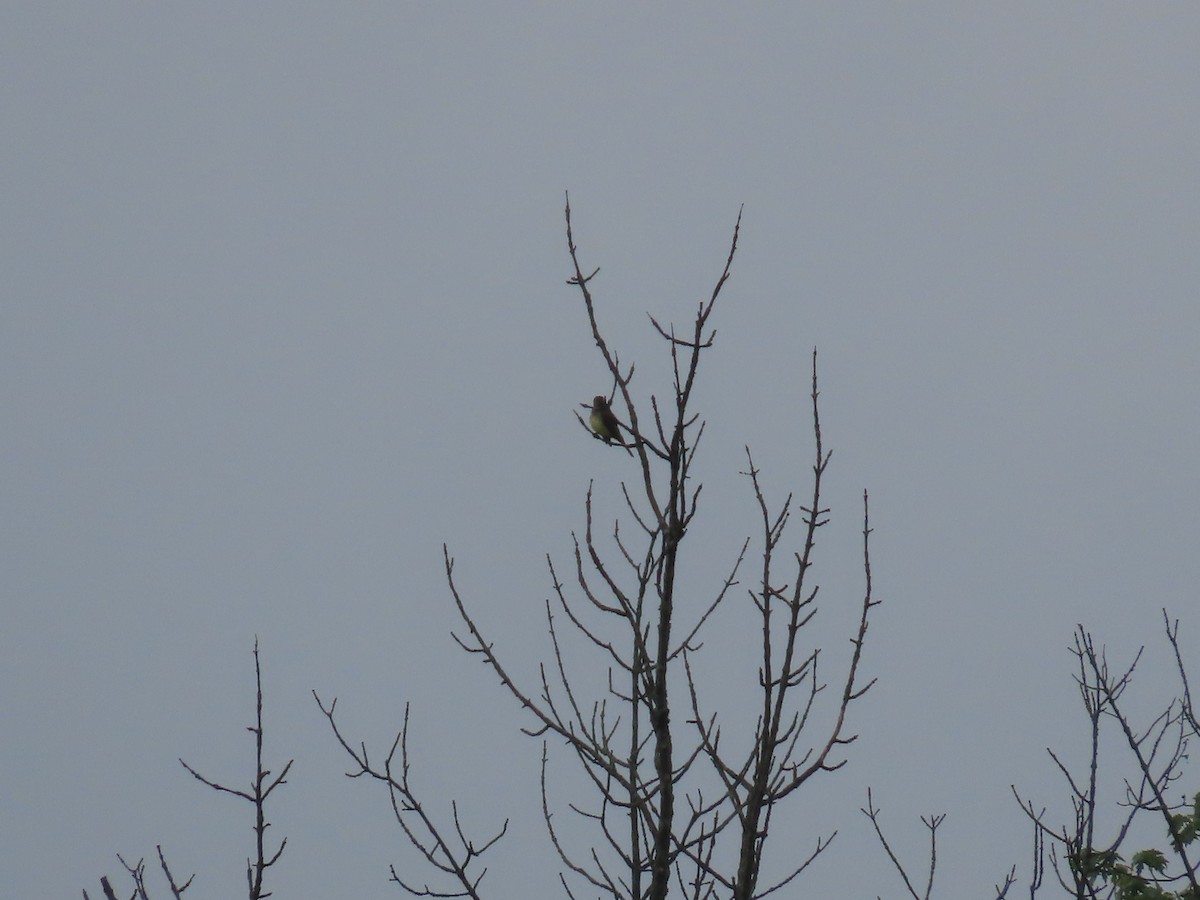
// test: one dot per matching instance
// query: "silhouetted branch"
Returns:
(454, 860)
(261, 789)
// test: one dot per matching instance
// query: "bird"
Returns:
(604, 423)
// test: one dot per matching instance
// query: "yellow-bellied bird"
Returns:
(604, 423)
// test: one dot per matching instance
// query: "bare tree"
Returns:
(674, 806)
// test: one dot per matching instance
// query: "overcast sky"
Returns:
(283, 309)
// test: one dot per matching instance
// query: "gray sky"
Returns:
(282, 308)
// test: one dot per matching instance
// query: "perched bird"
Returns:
(604, 423)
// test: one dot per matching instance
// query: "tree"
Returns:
(675, 804)
(1085, 864)
(1088, 865)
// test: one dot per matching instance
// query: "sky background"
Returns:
(283, 309)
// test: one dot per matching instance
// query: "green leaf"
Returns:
(1154, 860)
